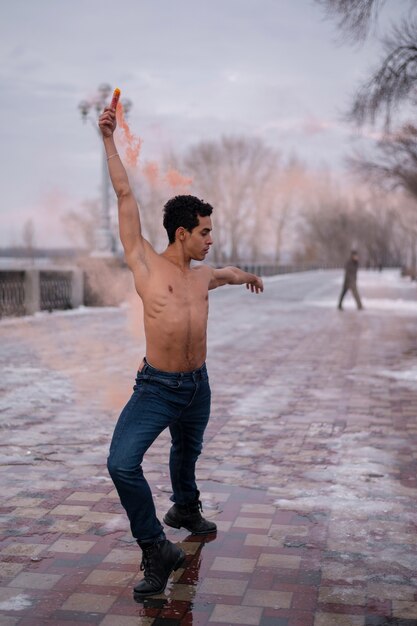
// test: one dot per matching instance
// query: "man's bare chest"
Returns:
(176, 293)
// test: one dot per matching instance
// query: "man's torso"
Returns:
(175, 304)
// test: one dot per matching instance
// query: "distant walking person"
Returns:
(351, 271)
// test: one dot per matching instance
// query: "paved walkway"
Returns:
(309, 466)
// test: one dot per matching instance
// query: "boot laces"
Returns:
(146, 563)
(196, 509)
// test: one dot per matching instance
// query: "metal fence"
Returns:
(26, 291)
(55, 289)
(12, 293)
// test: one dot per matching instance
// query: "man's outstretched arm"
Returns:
(129, 220)
(235, 276)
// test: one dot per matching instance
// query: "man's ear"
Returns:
(180, 233)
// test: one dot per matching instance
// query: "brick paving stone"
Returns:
(305, 599)
(342, 595)
(242, 615)
(63, 509)
(123, 620)
(31, 580)
(88, 602)
(279, 560)
(335, 619)
(23, 549)
(265, 509)
(72, 546)
(273, 599)
(29, 512)
(108, 578)
(404, 609)
(253, 522)
(226, 587)
(391, 591)
(226, 564)
(9, 570)
(301, 619)
(68, 526)
(24, 502)
(122, 556)
(85, 496)
(261, 540)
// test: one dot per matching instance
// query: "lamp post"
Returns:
(104, 242)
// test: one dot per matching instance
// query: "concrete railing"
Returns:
(27, 291)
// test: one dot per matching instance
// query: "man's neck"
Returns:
(177, 257)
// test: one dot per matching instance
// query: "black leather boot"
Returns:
(158, 561)
(189, 516)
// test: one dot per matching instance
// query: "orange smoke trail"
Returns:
(132, 144)
(175, 179)
(151, 172)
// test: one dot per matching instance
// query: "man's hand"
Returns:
(255, 285)
(107, 122)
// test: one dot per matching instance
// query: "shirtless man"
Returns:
(172, 388)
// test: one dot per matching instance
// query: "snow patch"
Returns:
(397, 305)
(409, 375)
(30, 389)
(16, 603)
(41, 316)
(115, 524)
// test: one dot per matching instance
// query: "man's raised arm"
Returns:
(129, 221)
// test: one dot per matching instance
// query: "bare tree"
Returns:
(203, 163)
(394, 79)
(235, 174)
(393, 167)
(326, 231)
(334, 222)
(280, 199)
(355, 17)
(393, 164)
(406, 215)
(80, 225)
(378, 230)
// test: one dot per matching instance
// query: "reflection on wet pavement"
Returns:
(309, 466)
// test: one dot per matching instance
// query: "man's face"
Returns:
(198, 242)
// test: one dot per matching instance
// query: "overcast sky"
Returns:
(194, 69)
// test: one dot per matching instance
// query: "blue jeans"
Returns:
(178, 401)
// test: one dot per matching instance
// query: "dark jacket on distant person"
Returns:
(349, 283)
(351, 272)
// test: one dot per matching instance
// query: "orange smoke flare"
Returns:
(131, 143)
(115, 99)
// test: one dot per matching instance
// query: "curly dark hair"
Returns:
(184, 211)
